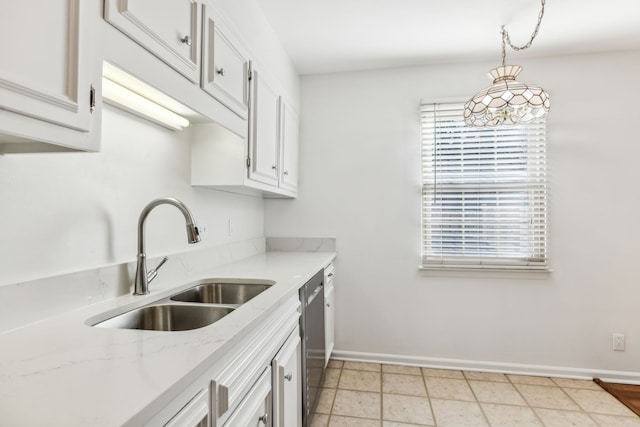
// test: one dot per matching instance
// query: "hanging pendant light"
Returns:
(507, 101)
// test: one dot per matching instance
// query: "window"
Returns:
(484, 202)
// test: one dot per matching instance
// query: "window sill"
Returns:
(519, 272)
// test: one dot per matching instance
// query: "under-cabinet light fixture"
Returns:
(127, 92)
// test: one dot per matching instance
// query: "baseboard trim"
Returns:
(622, 377)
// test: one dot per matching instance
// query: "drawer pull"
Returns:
(220, 71)
(264, 418)
(289, 376)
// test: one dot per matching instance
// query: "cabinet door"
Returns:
(170, 29)
(46, 71)
(287, 384)
(289, 149)
(225, 68)
(329, 316)
(255, 409)
(263, 131)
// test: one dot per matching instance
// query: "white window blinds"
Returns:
(484, 190)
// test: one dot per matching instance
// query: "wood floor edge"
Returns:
(612, 389)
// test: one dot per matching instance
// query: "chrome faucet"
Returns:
(142, 279)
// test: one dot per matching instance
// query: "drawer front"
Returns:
(170, 29)
(329, 272)
(229, 387)
(255, 409)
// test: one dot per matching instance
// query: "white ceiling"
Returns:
(344, 35)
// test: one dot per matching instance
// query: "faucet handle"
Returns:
(153, 273)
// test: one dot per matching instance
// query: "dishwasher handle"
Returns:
(315, 293)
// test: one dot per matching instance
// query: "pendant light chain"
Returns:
(507, 101)
(506, 39)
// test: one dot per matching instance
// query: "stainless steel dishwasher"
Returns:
(313, 343)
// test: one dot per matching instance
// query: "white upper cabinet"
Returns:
(264, 131)
(48, 80)
(288, 148)
(170, 29)
(225, 68)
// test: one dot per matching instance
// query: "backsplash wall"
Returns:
(76, 211)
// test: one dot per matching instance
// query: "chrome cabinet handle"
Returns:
(220, 71)
(286, 172)
(264, 418)
(289, 376)
(186, 40)
(328, 305)
(330, 274)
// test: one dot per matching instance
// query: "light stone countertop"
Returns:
(62, 372)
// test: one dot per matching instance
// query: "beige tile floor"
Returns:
(369, 394)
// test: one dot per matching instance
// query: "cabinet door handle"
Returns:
(92, 99)
(220, 71)
(330, 275)
(264, 418)
(289, 376)
(186, 40)
(274, 167)
(286, 172)
(328, 305)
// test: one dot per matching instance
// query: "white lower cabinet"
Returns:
(287, 384)
(255, 409)
(195, 414)
(242, 370)
(329, 312)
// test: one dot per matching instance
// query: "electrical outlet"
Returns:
(618, 342)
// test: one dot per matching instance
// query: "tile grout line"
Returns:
(335, 396)
(486, 418)
(577, 404)
(535, 414)
(426, 389)
(381, 397)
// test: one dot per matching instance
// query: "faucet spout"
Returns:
(141, 285)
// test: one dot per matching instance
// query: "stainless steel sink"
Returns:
(202, 303)
(167, 317)
(222, 292)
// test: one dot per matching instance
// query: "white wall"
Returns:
(360, 182)
(68, 212)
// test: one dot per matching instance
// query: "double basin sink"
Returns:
(204, 303)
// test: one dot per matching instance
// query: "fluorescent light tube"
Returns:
(128, 100)
(127, 92)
